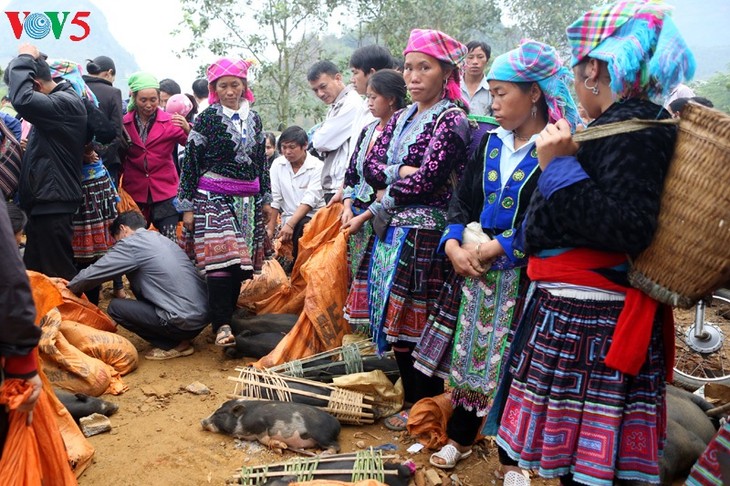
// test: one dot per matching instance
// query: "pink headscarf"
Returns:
(227, 67)
(444, 48)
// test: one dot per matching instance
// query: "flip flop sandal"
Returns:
(450, 455)
(158, 354)
(401, 417)
(222, 336)
(514, 478)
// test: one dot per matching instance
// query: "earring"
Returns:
(533, 111)
(593, 89)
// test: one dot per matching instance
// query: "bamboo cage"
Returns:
(347, 406)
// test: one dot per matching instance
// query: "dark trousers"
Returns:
(49, 247)
(463, 426)
(163, 215)
(416, 385)
(224, 287)
(140, 317)
(298, 232)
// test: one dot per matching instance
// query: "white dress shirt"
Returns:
(289, 190)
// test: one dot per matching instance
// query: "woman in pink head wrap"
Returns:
(413, 166)
(225, 191)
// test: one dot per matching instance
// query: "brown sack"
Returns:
(272, 280)
(113, 349)
(321, 326)
(427, 420)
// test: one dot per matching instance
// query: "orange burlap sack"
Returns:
(321, 326)
(113, 349)
(71, 369)
(272, 280)
(427, 420)
(328, 482)
(79, 309)
(35, 454)
(323, 227)
(126, 203)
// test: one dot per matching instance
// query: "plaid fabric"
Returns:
(536, 62)
(436, 44)
(71, 72)
(226, 67)
(707, 471)
(10, 159)
(639, 41)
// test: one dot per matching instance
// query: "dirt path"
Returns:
(157, 438)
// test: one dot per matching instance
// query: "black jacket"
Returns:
(50, 178)
(110, 103)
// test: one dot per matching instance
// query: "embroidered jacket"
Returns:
(356, 188)
(215, 145)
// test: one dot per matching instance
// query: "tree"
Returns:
(716, 89)
(288, 28)
(389, 22)
(546, 20)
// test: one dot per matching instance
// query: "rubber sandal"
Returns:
(158, 354)
(402, 418)
(224, 333)
(514, 478)
(450, 455)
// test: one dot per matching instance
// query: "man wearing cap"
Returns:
(100, 79)
(50, 179)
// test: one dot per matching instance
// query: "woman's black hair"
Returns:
(270, 137)
(542, 106)
(194, 111)
(294, 134)
(18, 219)
(389, 84)
(371, 57)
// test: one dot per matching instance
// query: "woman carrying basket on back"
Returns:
(587, 398)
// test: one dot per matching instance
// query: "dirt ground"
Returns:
(157, 438)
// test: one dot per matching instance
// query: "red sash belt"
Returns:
(633, 329)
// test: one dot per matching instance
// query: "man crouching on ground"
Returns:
(171, 306)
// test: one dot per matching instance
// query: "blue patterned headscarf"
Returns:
(640, 43)
(536, 62)
(71, 72)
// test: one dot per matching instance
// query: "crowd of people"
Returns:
(495, 263)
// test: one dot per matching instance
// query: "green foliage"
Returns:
(716, 89)
(546, 20)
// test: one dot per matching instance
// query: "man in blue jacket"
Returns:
(50, 178)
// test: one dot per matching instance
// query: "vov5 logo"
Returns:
(39, 24)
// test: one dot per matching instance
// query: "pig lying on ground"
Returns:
(250, 345)
(80, 405)
(279, 425)
(279, 323)
(689, 430)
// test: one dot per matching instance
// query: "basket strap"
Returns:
(609, 129)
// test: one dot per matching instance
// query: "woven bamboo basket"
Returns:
(365, 464)
(689, 256)
(347, 406)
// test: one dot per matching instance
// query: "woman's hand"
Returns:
(354, 225)
(464, 259)
(336, 198)
(555, 141)
(347, 215)
(180, 121)
(286, 232)
(406, 170)
(379, 194)
(188, 221)
(488, 252)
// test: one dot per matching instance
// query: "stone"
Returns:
(94, 424)
(197, 388)
(433, 478)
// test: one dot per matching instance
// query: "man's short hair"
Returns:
(42, 69)
(170, 86)
(294, 134)
(485, 47)
(200, 88)
(18, 219)
(131, 219)
(322, 67)
(371, 57)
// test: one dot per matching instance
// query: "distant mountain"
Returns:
(704, 26)
(99, 42)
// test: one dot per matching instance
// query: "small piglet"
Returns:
(278, 425)
(80, 405)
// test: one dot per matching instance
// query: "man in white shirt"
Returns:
(296, 186)
(474, 86)
(200, 91)
(332, 138)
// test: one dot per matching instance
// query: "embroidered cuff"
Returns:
(266, 198)
(507, 239)
(452, 232)
(22, 366)
(560, 173)
(184, 205)
(375, 208)
(387, 201)
(347, 192)
(392, 173)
